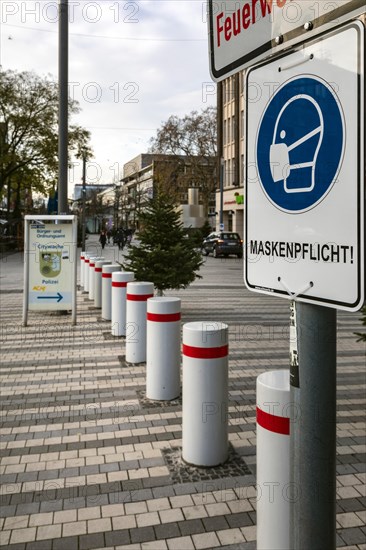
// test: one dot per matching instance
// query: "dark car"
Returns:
(223, 243)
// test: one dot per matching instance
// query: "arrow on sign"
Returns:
(58, 297)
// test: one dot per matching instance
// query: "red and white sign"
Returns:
(244, 32)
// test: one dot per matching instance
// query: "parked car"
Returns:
(223, 243)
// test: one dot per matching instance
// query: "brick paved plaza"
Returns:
(88, 462)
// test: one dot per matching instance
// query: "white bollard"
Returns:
(119, 288)
(92, 274)
(273, 460)
(82, 254)
(136, 305)
(163, 348)
(86, 271)
(107, 271)
(205, 393)
(98, 281)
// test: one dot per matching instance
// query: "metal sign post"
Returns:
(313, 429)
(50, 264)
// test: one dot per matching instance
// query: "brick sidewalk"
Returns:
(89, 462)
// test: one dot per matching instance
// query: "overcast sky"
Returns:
(132, 64)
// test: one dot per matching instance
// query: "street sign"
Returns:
(305, 173)
(50, 263)
(242, 33)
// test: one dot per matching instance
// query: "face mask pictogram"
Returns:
(280, 164)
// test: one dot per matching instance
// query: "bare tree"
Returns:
(192, 139)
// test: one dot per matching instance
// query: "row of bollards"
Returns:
(152, 328)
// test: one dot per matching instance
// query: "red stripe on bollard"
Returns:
(139, 297)
(163, 317)
(273, 423)
(205, 353)
(117, 284)
(91, 264)
(98, 270)
(107, 275)
(86, 261)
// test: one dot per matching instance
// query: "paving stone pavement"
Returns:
(88, 462)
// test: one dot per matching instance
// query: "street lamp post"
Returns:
(63, 55)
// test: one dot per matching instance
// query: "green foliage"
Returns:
(29, 131)
(362, 335)
(164, 255)
(197, 234)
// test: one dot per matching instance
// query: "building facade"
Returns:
(176, 175)
(230, 146)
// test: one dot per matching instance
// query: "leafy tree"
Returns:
(29, 132)
(164, 256)
(192, 136)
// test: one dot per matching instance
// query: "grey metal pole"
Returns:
(63, 54)
(26, 273)
(313, 430)
(221, 217)
(83, 227)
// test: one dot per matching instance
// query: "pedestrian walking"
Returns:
(103, 239)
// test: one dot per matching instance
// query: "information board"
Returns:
(304, 222)
(50, 260)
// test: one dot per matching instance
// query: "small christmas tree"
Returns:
(164, 255)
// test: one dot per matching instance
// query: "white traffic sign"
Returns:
(304, 222)
(50, 264)
(242, 33)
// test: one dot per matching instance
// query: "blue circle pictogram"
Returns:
(300, 144)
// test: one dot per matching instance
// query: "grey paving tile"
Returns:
(40, 545)
(353, 535)
(242, 519)
(160, 492)
(142, 494)
(191, 527)
(351, 505)
(167, 530)
(51, 506)
(117, 538)
(7, 511)
(74, 503)
(143, 534)
(103, 468)
(88, 542)
(24, 509)
(185, 489)
(216, 523)
(119, 497)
